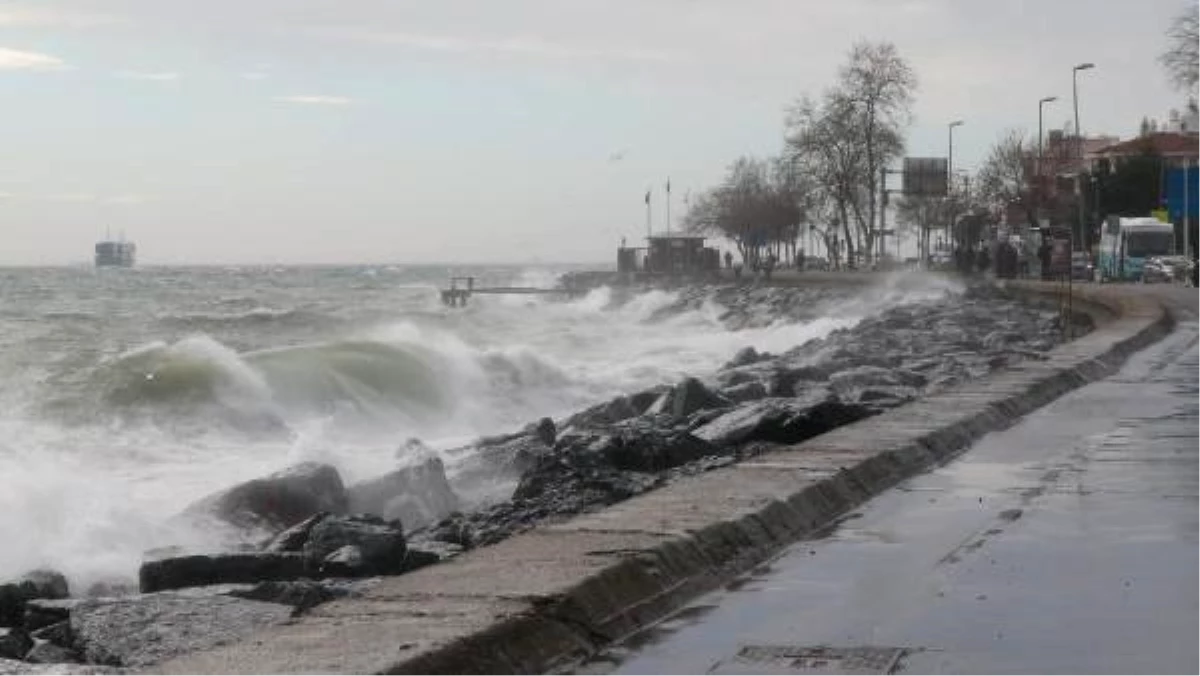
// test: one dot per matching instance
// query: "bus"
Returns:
(1126, 243)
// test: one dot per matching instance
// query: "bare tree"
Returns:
(830, 175)
(878, 86)
(852, 134)
(824, 146)
(1182, 57)
(756, 207)
(923, 214)
(1006, 177)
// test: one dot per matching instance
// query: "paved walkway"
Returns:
(1067, 543)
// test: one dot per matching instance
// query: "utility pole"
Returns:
(1083, 227)
(648, 228)
(950, 166)
(1187, 178)
(668, 206)
(1037, 202)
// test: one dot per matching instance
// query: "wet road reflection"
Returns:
(1067, 543)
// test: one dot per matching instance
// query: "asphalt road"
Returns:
(1065, 544)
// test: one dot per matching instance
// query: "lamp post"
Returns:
(950, 160)
(1187, 226)
(1083, 229)
(1038, 198)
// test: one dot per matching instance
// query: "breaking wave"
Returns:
(424, 383)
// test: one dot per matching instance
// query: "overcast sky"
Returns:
(489, 131)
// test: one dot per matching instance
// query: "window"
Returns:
(1143, 244)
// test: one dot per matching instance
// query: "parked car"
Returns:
(1166, 269)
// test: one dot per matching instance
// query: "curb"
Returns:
(549, 598)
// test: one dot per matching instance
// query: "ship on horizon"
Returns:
(116, 253)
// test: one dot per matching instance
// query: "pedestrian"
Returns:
(982, 259)
(728, 260)
(1044, 259)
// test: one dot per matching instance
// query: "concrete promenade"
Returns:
(546, 599)
(1065, 544)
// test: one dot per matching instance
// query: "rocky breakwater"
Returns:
(757, 401)
(313, 550)
(311, 539)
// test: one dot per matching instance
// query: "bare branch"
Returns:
(1182, 57)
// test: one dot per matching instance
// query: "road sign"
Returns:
(924, 176)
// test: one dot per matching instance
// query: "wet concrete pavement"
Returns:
(1065, 544)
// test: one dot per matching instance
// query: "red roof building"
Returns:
(1176, 148)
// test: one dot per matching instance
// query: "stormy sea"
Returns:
(126, 395)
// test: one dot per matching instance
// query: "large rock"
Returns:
(638, 446)
(686, 398)
(200, 570)
(293, 539)
(746, 355)
(862, 377)
(556, 487)
(545, 431)
(50, 653)
(58, 633)
(299, 594)
(41, 613)
(615, 410)
(14, 643)
(279, 500)
(417, 495)
(884, 396)
(781, 420)
(380, 545)
(787, 381)
(36, 584)
(744, 392)
(144, 630)
(495, 458)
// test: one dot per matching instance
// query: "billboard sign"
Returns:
(1181, 191)
(925, 176)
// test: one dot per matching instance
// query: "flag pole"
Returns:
(668, 206)
(648, 229)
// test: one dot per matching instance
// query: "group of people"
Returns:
(968, 260)
(764, 265)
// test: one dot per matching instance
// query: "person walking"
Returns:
(728, 260)
(983, 259)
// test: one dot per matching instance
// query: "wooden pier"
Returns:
(457, 296)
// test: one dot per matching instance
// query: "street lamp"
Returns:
(1075, 98)
(1038, 201)
(950, 150)
(1041, 107)
(950, 159)
(1083, 229)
